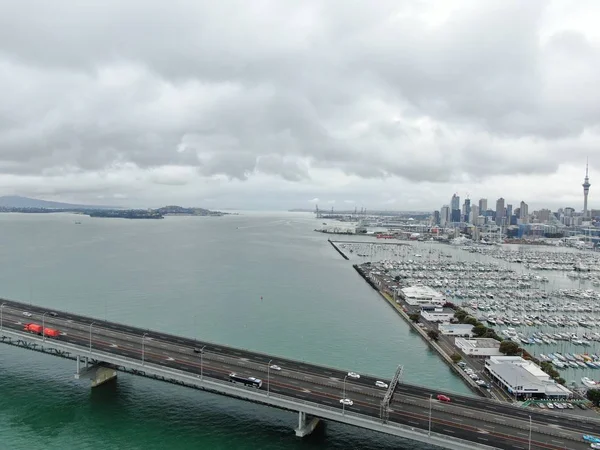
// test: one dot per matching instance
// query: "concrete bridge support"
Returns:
(98, 374)
(305, 428)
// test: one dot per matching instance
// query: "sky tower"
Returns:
(586, 189)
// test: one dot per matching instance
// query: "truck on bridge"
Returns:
(38, 329)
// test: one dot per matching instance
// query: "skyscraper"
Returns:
(586, 189)
(474, 214)
(482, 204)
(444, 215)
(509, 213)
(455, 205)
(524, 212)
(499, 211)
(466, 210)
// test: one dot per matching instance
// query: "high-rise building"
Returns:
(499, 211)
(483, 204)
(444, 215)
(509, 213)
(543, 215)
(436, 217)
(586, 189)
(455, 205)
(466, 210)
(474, 214)
(524, 212)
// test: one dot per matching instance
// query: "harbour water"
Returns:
(265, 282)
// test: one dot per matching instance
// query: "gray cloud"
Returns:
(306, 95)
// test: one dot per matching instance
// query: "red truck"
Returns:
(36, 328)
(33, 328)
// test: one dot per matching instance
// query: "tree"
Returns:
(450, 305)
(471, 320)
(414, 317)
(561, 380)
(509, 348)
(434, 335)
(593, 395)
(479, 330)
(460, 315)
(455, 357)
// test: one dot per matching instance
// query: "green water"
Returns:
(199, 277)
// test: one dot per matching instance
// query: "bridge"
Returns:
(102, 348)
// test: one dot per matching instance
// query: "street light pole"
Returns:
(344, 397)
(269, 376)
(44, 326)
(201, 366)
(1, 308)
(143, 337)
(430, 401)
(91, 336)
(529, 432)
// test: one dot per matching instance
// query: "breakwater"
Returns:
(338, 249)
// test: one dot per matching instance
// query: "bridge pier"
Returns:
(304, 429)
(96, 373)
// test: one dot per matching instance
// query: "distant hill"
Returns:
(15, 201)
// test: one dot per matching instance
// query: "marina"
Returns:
(528, 296)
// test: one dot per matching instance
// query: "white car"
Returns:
(594, 445)
(346, 401)
(381, 384)
(27, 314)
(353, 375)
(274, 367)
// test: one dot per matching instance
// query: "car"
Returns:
(26, 314)
(462, 364)
(353, 375)
(346, 401)
(275, 367)
(594, 445)
(542, 405)
(550, 405)
(480, 382)
(197, 350)
(443, 398)
(53, 314)
(381, 384)
(570, 406)
(591, 439)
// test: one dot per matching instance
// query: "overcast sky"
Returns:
(281, 104)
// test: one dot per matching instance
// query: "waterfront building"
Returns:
(436, 313)
(479, 348)
(523, 378)
(456, 329)
(421, 295)
(499, 211)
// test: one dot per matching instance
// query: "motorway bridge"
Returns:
(101, 348)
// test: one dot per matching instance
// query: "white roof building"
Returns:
(438, 314)
(421, 295)
(456, 329)
(482, 347)
(524, 378)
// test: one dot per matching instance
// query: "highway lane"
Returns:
(564, 420)
(369, 404)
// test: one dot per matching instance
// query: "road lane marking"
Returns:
(448, 431)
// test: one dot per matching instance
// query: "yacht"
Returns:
(590, 383)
